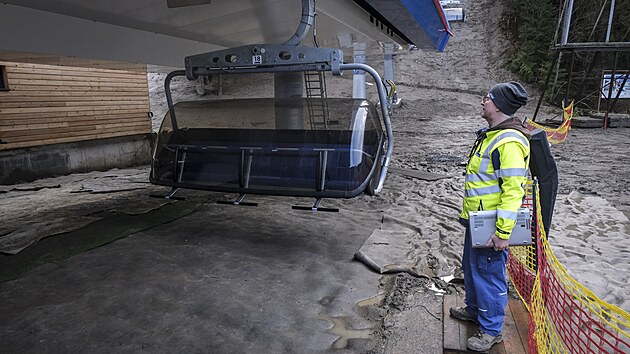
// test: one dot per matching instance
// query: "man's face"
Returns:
(487, 106)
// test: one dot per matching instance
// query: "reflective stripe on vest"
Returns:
(489, 177)
(512, 172)
(480, 177)
(485, 159)
(476, 192)
(506, 214)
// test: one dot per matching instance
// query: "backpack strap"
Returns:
(496, 164)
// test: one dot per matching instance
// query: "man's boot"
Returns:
(482, 341)
(462, 314)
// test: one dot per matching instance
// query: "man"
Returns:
(495, 175)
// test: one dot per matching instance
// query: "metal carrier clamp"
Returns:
(269, 58)
(265, 58)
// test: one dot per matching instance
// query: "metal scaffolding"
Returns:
(597, 48)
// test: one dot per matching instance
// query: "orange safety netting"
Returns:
(564, 316)
(522, 260)
(559, 134)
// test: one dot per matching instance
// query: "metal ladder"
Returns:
(315, 82)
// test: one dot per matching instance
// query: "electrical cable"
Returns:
(315, 24)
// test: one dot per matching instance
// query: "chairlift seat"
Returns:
(315, 162)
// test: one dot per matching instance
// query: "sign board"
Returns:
(616, 85)
(454, 14)
(447, 3)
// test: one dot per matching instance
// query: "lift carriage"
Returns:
(276, 146)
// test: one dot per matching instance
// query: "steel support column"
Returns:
(610, 89)
(358, 79)
(542, 94)
(566, 97)
(288, 89)
(389, 68)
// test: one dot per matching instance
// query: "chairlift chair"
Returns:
(266, 145)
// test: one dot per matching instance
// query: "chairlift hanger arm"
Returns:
(269, 58)
(385, 111)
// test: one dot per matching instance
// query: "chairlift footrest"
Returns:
(299, 207)
(231, 202)
(166, 197)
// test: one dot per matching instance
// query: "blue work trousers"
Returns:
(485, 279)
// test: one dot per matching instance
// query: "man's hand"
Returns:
(497, 243)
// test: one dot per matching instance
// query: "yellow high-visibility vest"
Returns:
(501, 190)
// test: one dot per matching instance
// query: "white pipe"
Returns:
(567, 23)
(610, 19)
(358, 78)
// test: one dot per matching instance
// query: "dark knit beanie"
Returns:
(508, 97)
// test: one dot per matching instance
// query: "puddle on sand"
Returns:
(372, 301)
(344, 331)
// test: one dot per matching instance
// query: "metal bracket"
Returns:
(264, 58)
(315, 207)
(169, 195)
(237, 201)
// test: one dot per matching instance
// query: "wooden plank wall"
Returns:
(49, 104)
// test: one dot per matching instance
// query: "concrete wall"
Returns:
(25, 165)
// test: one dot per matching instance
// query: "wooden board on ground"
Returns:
(615, 121)
(457, 332)
(521, 320)
(586, 122)
(427, 176)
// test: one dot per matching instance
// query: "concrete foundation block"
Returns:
(29, 164)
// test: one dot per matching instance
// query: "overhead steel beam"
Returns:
(46, 32)
(595, 46)
(147, 31)
(420, 22)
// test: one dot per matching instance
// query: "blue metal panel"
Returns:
(420, 22)
(430, 16)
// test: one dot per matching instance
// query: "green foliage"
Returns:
(532, 31)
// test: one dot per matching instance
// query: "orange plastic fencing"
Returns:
(521, 263)
(559, 134)
(565, 316)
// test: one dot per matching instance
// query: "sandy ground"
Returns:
(433, 130)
